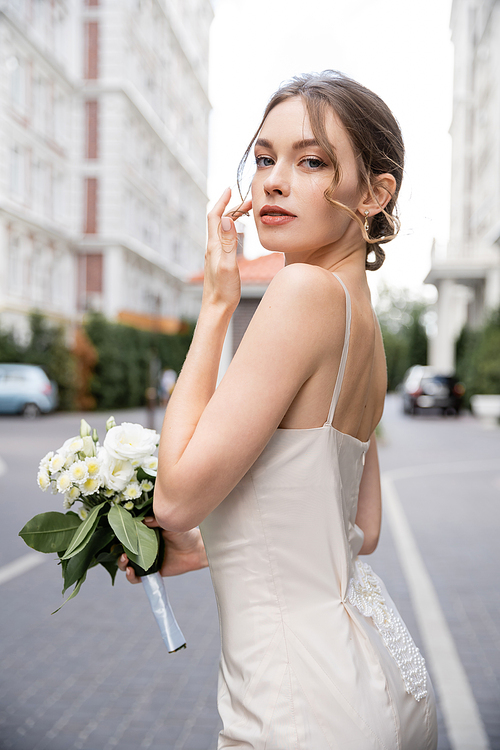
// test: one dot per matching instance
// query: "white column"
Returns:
(451, 309)
(492, 289)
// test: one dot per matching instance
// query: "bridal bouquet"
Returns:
(113, 486)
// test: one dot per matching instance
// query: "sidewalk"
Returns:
(96, 675)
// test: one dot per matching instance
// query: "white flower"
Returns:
(43, 480)
(73, 494)
(132, 491)
(85, 429)
(56, 463)
(150, 465)
(93, 466)
(111, 422)
(44, 463)
(109, 493)
(90, 486)
(71, 445)
(88, 446)
(115, 473)
(83, 513)
(64, 482)
(146, 485)
(131, 442)
(67, 503)
(78, 472)
(70, 459)
(129, 505)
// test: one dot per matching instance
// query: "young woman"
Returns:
(279, 465)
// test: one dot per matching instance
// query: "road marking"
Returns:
(21, 565)
(461, 715)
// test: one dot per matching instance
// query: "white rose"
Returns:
(131, 442)
(115, 473)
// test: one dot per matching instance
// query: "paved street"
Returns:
(96, 676)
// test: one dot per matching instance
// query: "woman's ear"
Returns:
(378, 195)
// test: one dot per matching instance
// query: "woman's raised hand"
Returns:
(184, 551)
(222, 285)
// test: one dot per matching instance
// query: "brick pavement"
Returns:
(96, 675)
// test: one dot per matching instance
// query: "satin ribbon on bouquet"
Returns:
(164, 616)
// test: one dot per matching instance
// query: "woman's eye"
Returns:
(313, 162)
(264, 161)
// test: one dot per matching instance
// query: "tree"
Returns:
(402, 322)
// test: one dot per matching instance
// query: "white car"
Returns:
(26, 389)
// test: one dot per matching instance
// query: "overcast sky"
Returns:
(399, 48)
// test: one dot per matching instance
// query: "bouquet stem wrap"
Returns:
(158, 599)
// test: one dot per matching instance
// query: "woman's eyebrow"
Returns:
(297, 146)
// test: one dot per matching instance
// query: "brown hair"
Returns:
(374, 134)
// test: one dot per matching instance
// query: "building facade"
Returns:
(103, 158)
(467, 275)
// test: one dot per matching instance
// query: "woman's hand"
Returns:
(184, 551)
(222, 285)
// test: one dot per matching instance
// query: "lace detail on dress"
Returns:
(365, 594)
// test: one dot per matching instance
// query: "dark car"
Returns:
(26, 389)
(428, 388)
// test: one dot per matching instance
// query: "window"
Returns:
(14, 266)
(17, 182)
(17, 82)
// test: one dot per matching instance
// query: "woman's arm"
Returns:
(369, 515)
(210, 438)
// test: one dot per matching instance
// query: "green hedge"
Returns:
(478, 357)
(401, 321)
(122, 373)
(46, 347)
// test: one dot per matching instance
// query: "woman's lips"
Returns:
(276, 220)
(275, 216)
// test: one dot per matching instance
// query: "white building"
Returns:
(103, 156)
(467, 275)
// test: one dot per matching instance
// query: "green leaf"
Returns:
(83, 533)
(112, 569)
(75, 567)
(73, 593)
(122, 523)
(50, 532)
(147, 545)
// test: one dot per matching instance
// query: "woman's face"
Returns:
(293, 172)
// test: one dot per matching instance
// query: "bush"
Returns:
(401, 321)
(478, 357)
(46, 348)
(122, 372)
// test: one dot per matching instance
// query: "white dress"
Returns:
(314, 653)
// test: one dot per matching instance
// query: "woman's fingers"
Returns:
(123, 564)
(241, 210)
(131, 576)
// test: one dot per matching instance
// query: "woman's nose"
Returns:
(277, 182)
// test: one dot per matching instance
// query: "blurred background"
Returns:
(120, 122)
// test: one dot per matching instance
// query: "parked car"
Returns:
(428, 388)
(26, 389)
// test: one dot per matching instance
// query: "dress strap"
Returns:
(343, 359)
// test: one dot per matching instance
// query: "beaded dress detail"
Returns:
(365, 593)
(314, 653)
